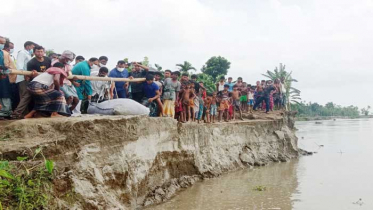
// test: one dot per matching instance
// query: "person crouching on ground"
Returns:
(102, 90)
(152, 92)
(47, 94)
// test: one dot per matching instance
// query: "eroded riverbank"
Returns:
(130, 162)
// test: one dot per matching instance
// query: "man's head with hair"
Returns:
(185, 77)
(9, 47)
(66, 57)
(239, 79)
(194, 77)
(92, 61)
(103, 72)
(58, 65)
(167, 73)
(79, 59)
(39, 51)
(157, 76)
(121, 64)
(175, 75)
(29, 45)
(103, 60)
(230, 79)
(222, 78)
(53, 56)
(149, 79)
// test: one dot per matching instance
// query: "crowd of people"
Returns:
(48, 92)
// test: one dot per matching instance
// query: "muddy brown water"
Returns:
(336, 178)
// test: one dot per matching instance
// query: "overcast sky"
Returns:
(326, 43)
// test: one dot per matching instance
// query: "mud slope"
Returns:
(130, 162)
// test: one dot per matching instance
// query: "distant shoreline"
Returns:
(318, 118)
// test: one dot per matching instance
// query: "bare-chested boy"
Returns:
(236, 94)
(224, 103)
(207, 108)
(192, 95)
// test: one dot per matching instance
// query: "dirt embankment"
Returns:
(130, 162)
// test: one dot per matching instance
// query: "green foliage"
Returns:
(260, 188)
(23, 187)
(292, 94)
(49, 52)
(159, 68)
(330, 109)
(185, 67)
(216, 66)
(365, 111)
(208, 82)
(145, 62)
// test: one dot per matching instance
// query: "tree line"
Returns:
(330, 109)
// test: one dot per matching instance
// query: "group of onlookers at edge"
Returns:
(50, 92)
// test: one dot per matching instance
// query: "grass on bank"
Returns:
(25, 186)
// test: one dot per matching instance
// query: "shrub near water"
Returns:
(24, 187)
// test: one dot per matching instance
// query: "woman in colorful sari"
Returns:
(48, 97)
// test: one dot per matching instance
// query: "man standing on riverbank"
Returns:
(83, 87)
(23, 57)
(138, 71)
(5, 91)
(121, 88)
(170, 95)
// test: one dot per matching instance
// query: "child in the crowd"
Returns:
(192, 96)
(185, 102)
(213, 107)
(179, 112)
(207, 109)
(243, 98)
(196, 107)
(250, 97)
(201, 106)
(236, 94)
(220, 85)
(224, 103)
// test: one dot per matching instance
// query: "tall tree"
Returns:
(292, 94)
(185, 67)
(216, 66)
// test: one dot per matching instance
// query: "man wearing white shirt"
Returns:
(23, 57)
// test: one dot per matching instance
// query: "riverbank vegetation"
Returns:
(25, 185)
(328, 110)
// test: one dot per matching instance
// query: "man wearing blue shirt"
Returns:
(120, 72)
(230, 84)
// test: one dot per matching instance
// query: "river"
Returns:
(335, 178)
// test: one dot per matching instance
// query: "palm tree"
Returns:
(158, 67)
(185, 67)
(292, 94)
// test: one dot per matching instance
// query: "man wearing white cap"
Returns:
(68, 89)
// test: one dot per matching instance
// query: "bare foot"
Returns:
(55, 114)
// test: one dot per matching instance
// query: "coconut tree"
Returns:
(159, 68)
(292, 94)
(185, 67)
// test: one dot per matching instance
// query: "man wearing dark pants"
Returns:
(265, 97)
(138, 71)
(23, 57)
